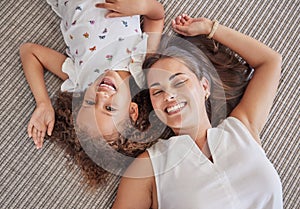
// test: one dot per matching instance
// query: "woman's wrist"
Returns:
(206, 27)
(214, 27)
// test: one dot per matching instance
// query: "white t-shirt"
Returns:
(240, 175)
(95, 43)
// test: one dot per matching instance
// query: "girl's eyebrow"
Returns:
(171, 78)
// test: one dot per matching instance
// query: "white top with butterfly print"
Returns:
(95, 43)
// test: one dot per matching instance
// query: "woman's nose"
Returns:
(169, 96)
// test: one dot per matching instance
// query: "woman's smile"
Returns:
(175, 108)
(177, 95)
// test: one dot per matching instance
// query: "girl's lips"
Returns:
(108, 84)
(175, 108)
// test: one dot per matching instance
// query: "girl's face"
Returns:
(177, 96)
(106, 103)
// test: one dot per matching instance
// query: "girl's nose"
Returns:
(103, 95)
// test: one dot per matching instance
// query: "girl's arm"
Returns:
(34, 59)
(136, 186)
(257, 100)
(152, 11)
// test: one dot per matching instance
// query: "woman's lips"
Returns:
(175, 108)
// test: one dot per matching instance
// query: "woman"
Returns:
(205, 166)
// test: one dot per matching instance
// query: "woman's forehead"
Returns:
(167, 68)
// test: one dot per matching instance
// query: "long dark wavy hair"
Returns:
(227, 73)
(136, 138)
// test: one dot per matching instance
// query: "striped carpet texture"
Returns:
(31, 178)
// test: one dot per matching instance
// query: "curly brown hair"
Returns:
(94, 155)
(143, 133)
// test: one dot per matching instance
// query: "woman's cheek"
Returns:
(158, 109)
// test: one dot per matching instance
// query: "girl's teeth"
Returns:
(105, 85)
(176, 107)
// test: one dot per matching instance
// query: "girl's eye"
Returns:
(110, 108)
(90, 102)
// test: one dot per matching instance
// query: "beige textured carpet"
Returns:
(31, 178)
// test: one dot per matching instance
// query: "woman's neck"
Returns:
(198, 133)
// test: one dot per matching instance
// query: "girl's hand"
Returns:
(121, 8)
(187, 26)
(42, 120)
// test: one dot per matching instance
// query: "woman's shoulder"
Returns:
(235, 127)
(141, 167)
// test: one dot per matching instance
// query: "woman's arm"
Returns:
(34, 59)
(254, 107)
(136, 187)
(257, 100)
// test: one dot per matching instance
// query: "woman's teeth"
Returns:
(176, 107)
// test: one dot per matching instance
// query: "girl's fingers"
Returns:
(38, 137)
(29, 129)
(40, 141)
(39, 134)
(35, 135)
(43, 134)
(50, 128)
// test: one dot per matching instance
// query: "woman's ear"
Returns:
(133, 111)
(205, 84)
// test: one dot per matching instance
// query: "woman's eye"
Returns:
(110, 108)
(157, 92)
(180, 83)
(90, 102)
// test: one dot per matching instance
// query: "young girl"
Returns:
(205, 166)
(95, 44)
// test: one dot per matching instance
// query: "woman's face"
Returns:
(106, 103)
(177, 95)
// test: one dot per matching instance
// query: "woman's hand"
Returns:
(42, 120)
(187, 26)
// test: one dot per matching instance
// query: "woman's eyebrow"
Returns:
(174, 75)
(171, 78)
(154, 84)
